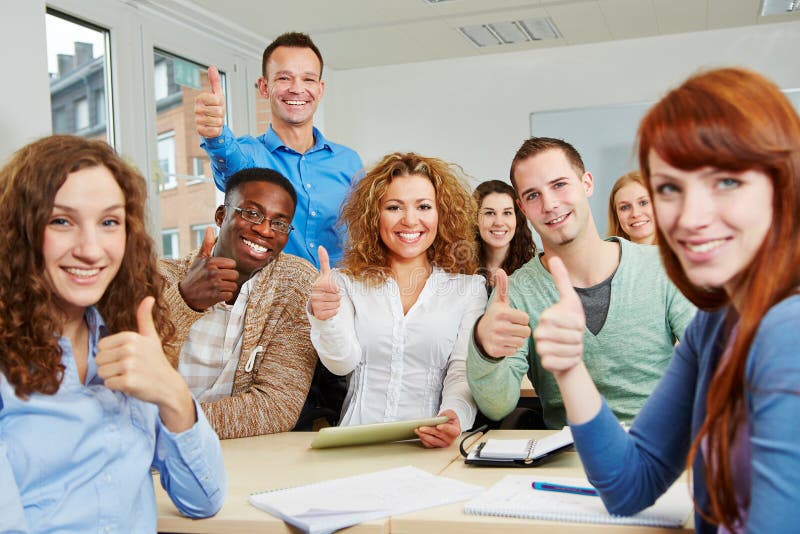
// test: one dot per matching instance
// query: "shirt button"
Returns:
(221, 141)
(313, 213)
(221, 160)
(308, 186)
(106, 478)
(311, 245)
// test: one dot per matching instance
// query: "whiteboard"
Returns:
(604, 136)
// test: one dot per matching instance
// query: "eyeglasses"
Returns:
(255, 217)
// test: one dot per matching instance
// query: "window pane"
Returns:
(187, 195)
(78, 68)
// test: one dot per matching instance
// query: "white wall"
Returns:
(25, 91)
(475, 111)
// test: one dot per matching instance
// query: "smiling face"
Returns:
(252, 246)
(635, 213)
(409, 218)
(554, 197)
(84, 240)
(497, 220)
(713, 220)
(292, 85)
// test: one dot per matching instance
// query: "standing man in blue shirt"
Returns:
(320, 171)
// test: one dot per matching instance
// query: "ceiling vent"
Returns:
(779, 7)
(510, 32)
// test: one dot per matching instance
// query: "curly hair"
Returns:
(614, 226)
(30, 357)
(522, 247)
(454, 249)
(736, 120)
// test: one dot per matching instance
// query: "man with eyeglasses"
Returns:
(242, 334)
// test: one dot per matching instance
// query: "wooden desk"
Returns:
(282, 460)
(452, 519)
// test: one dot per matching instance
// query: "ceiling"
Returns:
(365, 33)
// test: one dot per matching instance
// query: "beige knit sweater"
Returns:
(268, 398)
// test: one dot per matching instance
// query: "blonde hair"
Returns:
(614, 227)
(454, 249)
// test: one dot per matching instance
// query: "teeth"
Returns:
(499, 232)
(639, 223)
(558, 219)
(409, 236)
(295, 102)
(257, 248)
(82, 272)
(705, 247)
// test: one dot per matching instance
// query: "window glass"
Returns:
(187, 196)
(199, 233)
(169, 242)
(79, 83)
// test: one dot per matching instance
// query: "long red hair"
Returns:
(736, 120)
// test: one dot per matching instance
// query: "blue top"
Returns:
(79, 460)
(632, 470)
(321, 177)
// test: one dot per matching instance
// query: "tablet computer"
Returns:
(340, 436)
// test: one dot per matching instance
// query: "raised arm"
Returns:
(497, 356)
(332, 322)
(218, 141)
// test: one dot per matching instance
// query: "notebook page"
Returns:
(513, 496)
(333, 504)
(509, 449)
(552, 442)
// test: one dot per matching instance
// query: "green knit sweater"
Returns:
(627, 357)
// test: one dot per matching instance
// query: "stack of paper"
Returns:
(328, 506)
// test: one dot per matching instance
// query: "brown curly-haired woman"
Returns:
(81, 354)
(399, 312)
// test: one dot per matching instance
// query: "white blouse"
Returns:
(402, 366)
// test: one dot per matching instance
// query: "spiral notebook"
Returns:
(519, 452)
(513, 496)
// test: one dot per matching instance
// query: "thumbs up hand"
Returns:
(209, 108)
(210, 279)
(559, 334)
(502, 330)
(134, 363)
(325, 296)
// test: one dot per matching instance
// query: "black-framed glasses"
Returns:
(256, 217)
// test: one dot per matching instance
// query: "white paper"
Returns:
(330, 505)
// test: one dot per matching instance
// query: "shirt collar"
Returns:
(97, 330)
(273, 142)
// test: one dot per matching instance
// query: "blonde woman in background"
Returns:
(630, 210)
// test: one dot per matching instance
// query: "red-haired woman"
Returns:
(88, 400)
(721, 157)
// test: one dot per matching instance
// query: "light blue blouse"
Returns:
(79, 460)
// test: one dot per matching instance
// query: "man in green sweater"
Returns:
(634, 315)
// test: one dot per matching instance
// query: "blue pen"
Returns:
(547, 486)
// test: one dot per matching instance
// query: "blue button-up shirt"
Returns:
(321, 178)
(79, 460)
